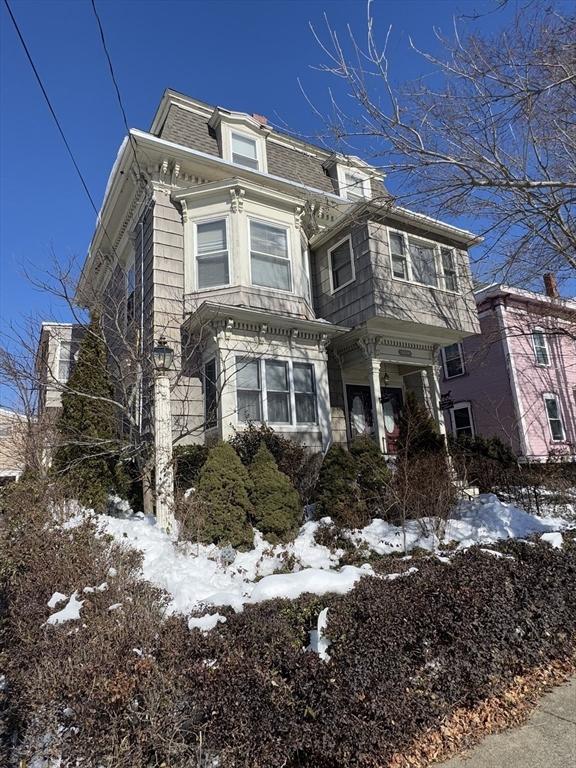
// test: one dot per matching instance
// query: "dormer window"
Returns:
(356, 186)
(245, 151)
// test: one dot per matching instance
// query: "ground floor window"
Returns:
(554, 417)
(275, 391)
(462, 424)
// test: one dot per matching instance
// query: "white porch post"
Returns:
(433, 376)
(163, 452)
(377, 411)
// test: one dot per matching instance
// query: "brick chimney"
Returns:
(260, 119)
(551, 285)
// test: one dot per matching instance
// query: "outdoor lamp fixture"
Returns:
(386, 378)
(163, 355)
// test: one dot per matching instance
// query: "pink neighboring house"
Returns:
(517, 379)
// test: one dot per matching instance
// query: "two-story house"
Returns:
(517, 379)
(290, 286)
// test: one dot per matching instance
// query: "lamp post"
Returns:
(163, 358)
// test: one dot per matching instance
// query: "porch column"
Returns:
(377, 411)
(163, 446)
(433, 376)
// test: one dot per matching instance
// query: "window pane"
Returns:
(244, 146)
(399, 268)
(303, 377)
(213, 271)
(423, 266)
(540, 348)
(341, 259)
(453, 359)
(247, 374)
(249, 406)
(354, 186)
(449, 269)
(305, 408)
(276, 376)
(462, 421)
(554, 418)
(271, 272)
(268, 239)
(396, 243)
(278, 408)
(211, 237)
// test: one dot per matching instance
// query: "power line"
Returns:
(54, 115)
(113, 76)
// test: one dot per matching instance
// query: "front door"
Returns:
(391, 406)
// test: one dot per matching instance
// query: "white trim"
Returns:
(257, 148)
(277, 225)
(366, 187)
(546, 396)
(513, 380)
(334, 290)
(445, 363)
(539, 329)
(438, 264)
(460, 406)
(207, 220)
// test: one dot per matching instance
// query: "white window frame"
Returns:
(277, 225)
(251, 137)
(342, 170)
(539, 329)
(464, 404)
(437, 248)
(292, 424)
(330, 267)
(445, 362)
(208, 220)
(553, 396)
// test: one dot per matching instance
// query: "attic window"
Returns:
(245, 151)
(353, 184)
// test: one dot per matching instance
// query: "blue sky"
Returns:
(243, 55)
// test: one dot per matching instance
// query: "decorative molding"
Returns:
(262, 332)
(369, 346)
(184, 211)
(293, 336)
(298, 216)
(237, 199)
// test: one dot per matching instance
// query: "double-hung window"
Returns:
(355, 186)
(275, 391)
(449, 269)
(540, 347)
(248, 389)
(245, 151)
(212, 254)
(269, 256)
(67, 352)
(453, 360)
(554, 417)
(341, 264)
(399, 260)
(423, 261)
(462, 420)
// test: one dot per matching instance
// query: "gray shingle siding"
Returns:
(189, 129)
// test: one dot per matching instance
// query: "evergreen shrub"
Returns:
(337, 492)
(277, 508)
(418, 433)
(223, 493)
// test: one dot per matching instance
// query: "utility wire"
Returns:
(54, 115)
(113, 76)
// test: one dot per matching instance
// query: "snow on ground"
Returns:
(70, 612)
(201, 578)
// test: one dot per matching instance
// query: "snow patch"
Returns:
(555, 539)
(205, 623)
(70, 612)
(56, 598)
(319, 643)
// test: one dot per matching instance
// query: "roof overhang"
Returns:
(501, 290)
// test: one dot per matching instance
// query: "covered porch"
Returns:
(374, 373)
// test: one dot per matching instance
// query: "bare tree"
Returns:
(489, 131)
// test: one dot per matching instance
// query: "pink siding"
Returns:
(519, 417)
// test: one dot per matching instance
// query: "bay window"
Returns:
(275, 391)
(554, 417)
(422, 261)
(269, 256)
(212, 254)
(341, 264)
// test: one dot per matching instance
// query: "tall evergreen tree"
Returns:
(418, 431)
(87, 455)
(277, 508)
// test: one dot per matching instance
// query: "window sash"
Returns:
(212, 262)
(244, 151)
(554, 417)
(276, 391)
(341, 264)
(270, 256)
(462, 426)
(66, 360)
(423, 262)
(540, 347)
(453, 360)
(354, 186)
(449, 269)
